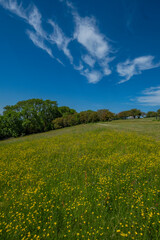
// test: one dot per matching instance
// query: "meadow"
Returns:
(95, 181)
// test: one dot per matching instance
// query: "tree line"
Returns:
(136, 113)
(37, 115)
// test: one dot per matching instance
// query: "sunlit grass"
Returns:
(88, 183)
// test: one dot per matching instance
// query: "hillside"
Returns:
(95, 181)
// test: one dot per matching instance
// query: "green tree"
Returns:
(158, 114)
(12, 124)
(35, 115)
(66, 111)
(105, 115)
(3, 133)
(58, 123)
(72, 119)
(84, 116)
(151, 114)
(123, 114)
(93, 117)
(135, 113)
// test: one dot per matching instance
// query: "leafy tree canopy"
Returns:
(64, 110)
(31, 116)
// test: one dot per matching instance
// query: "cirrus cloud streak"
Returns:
(150, 97)
(129, 68)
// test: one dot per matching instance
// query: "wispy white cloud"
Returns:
(150, 97)
(107, 71)
(86, 33)
(89, 60)
(93, 76)
(38, 35)
(89, 36)
(96, 45)
(134, 67)
(95, 57)
(80, 67)
(105, 65)
(14, 7)
(32, 16)
(97, 50)
(39, 42)
(58, 37)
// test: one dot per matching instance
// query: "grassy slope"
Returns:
(148, 127)
(85, 182)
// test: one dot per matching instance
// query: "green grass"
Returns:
(95, 181)
(148, 127)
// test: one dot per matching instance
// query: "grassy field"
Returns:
(95, 181)
(148, 127)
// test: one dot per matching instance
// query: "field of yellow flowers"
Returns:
(84, 184)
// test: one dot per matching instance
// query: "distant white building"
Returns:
(130, 117)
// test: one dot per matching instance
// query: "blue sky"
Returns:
(84, 54)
